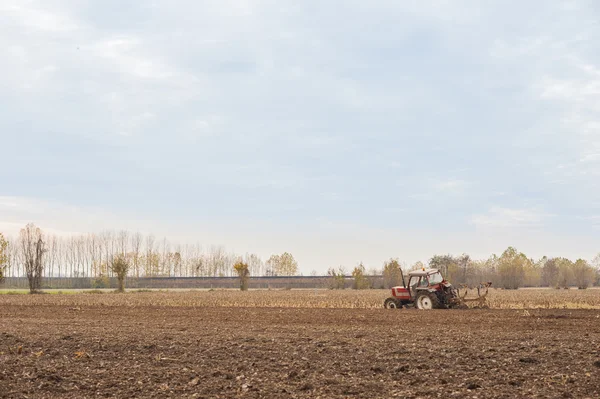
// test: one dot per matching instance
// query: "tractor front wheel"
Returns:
(392, 303)
(427, 301)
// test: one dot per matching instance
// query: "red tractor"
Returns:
(427, 289)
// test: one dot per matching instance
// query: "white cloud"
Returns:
(440, 191)
(595, 157)
(513, 218)
(125, 53)
(55, 217)
(452, 185)
(34, 18)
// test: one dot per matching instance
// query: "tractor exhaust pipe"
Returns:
(402, 276)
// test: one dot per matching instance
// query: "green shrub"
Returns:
(101, 282)
(120, 266)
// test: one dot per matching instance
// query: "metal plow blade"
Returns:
(479, 302)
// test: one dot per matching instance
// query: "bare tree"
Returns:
(52, 256)
(216, 262)
(255, 264)
(15, 258)
(177, 261)
(71, 255)
(136, 245)
(273, 265)
(464, 266)
(165, 263)
(185, 260)
(122, 242)
(58, 255)
(86, 255)
(33, 248)
(80, 256)
(202, 261)
(95, 254)
(149, 269)
(107, 239)
(447, 264)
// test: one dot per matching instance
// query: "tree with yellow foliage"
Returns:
(511, 268)
(283, 265)
(360, 281)
(392, 275)
(243, 273)
(583, 274)
(3, 256)
(565, 272)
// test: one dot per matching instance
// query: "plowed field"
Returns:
(60, 351)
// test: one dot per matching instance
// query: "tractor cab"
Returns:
(424, 279)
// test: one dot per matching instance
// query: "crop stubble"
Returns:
(362, 299)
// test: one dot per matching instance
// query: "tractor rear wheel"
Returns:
(427, 301)
(392, 303)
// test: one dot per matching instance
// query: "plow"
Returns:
(428, 289)
(479, 301)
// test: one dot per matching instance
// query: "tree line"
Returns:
(511, 270)
(34, 254)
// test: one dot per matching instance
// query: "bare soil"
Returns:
(165, 352)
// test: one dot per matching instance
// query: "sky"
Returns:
(340, 132)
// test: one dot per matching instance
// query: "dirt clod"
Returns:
(529, 360)
(306, 387)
